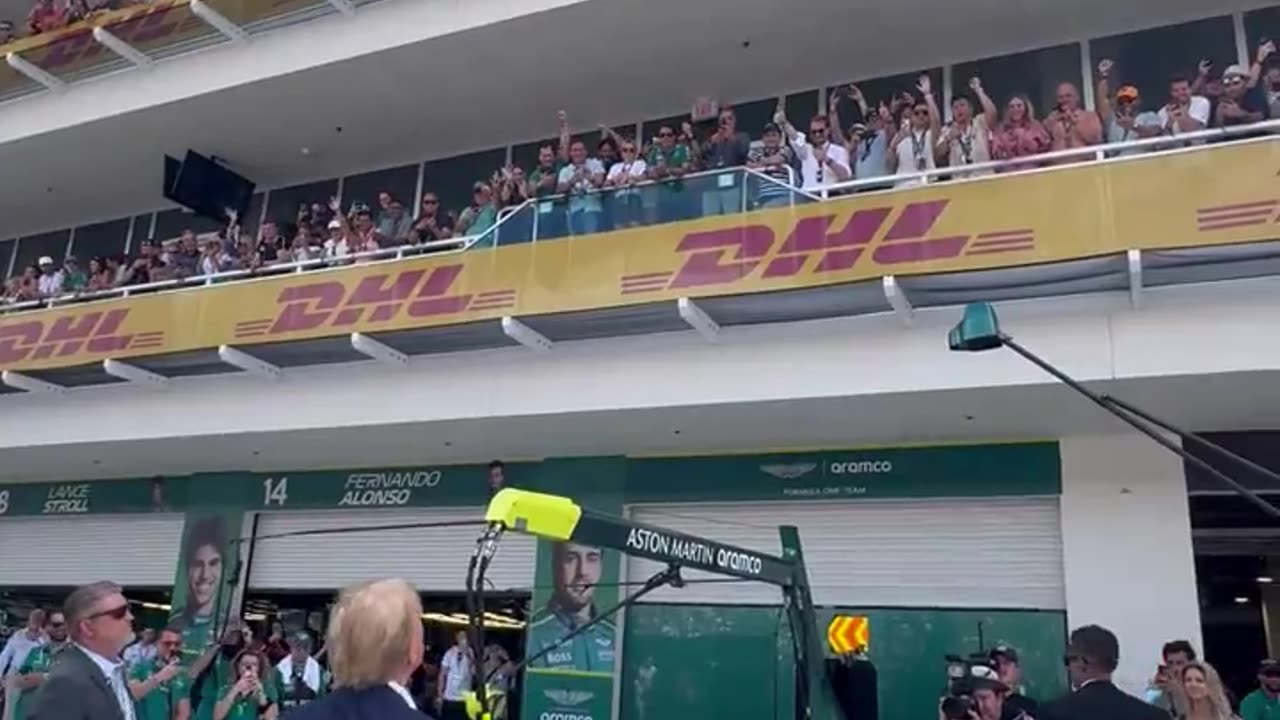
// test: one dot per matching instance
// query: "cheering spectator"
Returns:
(1122, 118)
(336, 245)
(45, 16)
(433, 225)
(1205, 83)
(1069, 125)
(625, 174)
(362, 236)
(772, 158)
(607, 150)
(394, 223)
(667, 162)
(1020, 134)
(101, 275)
(301, 249)
(185, 258)
(481, 214)
(822, 162)
(543, 179)
(868, 138)
(74, 278)
(270, 243)
(581, 178)
(50, 283)
(967, 139)
(513, 187)
(1185, 112)
(214, 260)
(1271, 89)
(727, 148)
(912, 150)
(8, 33)
(1242, 102)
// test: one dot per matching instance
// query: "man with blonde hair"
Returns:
(374, 645)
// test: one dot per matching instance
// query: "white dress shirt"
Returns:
(812, 174)
(16, 650)
(403, 693)
(114, 672)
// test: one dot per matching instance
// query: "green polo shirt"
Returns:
(1258, 705)
(219, 675)
(592, 651)
(246, 708)
(36, 663)
(538, 174)
(160, 703)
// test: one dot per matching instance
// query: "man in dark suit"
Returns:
(374, 645)
(87, 680)
(1092, 655)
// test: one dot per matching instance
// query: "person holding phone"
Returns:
(159, 685)
(252, 696)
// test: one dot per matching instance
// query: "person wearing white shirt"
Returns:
(142, 651)
(1185, 112)
(300, 674)
(822, 162)
(374, 645)
(457, 669)
(89, 681)
(912, 150)
(15, 653)
(50, 282)
(623, 177)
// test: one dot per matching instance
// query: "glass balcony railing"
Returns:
(724, 193)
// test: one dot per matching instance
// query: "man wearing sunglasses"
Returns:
(159, 684)
(1093, 653)
(88, 680)
(1242, 103)
(36, 666)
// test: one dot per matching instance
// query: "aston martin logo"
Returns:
(789, 472)
(568, 697)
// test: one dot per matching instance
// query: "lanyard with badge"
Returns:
(965, 141)
(917, 148)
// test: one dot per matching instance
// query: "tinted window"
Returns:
(876, 91)
(283, 204)
(1035, 74)
(6, 256)
(101, 240)
(31, 249)
(170, 224)
(400, 183)
(451, 179)
(1149, 58)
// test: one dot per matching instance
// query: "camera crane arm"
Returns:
(559, 519)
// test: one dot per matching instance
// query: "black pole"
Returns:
(1137, 423)
(1194, 438)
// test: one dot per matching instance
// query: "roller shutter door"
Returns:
(132, 550)
(989, 552)
(433, 559)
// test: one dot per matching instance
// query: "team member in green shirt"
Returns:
(160, 686)
(1264, 703)
(32, 672)
(253, 695)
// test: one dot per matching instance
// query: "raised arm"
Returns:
(1102, 93)
(925, 86)
(989, 111)
(562, 118)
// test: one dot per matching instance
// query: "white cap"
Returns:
(334, 225)
(45, 260)
(1235, 71)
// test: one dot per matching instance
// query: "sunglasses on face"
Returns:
(169, 643)
(430, 202)
(628, 149)
(115, 613)
(666, 134)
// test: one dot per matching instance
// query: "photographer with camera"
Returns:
(976, 692)
(1004, 659)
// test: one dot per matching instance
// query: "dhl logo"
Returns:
(86, 333)
(377, 298)
(1224, 217)
(818, 245)
(138, 27)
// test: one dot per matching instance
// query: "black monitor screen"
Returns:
(207, 188)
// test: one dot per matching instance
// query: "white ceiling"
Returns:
(607, 61)
(1239, 401)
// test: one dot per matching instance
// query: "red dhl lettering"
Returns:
(142, 26)
(377, 299)
(92, 333)
(817, 244)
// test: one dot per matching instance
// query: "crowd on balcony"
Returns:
(623, 181)
(49, 15)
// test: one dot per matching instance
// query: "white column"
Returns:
(1126, 545)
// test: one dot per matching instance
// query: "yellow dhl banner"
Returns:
(1197, 198)
(150, 27)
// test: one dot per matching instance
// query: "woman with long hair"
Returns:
(1202, 696)
(253, 694)
(1019, 133)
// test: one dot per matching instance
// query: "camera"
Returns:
(966, 674)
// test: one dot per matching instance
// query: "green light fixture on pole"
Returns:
(979, 330)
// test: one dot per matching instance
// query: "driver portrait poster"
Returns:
(572, 678)
(205, 581)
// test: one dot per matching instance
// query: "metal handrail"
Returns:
(1097, 152)
(452, 245)
(740, 169)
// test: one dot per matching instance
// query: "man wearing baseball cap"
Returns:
(1004, 658)
(1242, 102)
(1093, 653)
(1122, 117)
(50, 282)
(1264, 703)
(990, 695)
